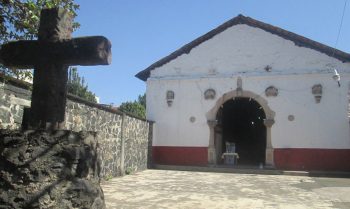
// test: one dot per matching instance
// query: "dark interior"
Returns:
(242, 123)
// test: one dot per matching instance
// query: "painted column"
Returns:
(211, 148)
(269, 149)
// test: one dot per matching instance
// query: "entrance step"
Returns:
(252, 170)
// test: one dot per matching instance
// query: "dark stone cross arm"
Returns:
(50, 57)
(94, 50)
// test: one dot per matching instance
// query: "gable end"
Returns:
(240, 19)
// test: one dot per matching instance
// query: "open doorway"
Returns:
(242, 123)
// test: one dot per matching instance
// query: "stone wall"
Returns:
(12, 100)
(135, 137)
(124, 139)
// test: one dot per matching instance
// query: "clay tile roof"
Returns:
(240, 19)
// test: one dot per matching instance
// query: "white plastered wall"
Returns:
(244, 51)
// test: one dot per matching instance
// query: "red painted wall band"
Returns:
(180, 155)
(312, 159)
(289, 159)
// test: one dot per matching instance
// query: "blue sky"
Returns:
(144, 31)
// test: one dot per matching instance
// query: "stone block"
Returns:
(43, 169)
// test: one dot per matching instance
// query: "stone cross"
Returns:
(50, 56)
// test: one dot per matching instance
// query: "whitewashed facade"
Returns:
(242, 59)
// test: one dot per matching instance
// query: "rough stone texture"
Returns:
(150, 141)
(109, 126)
(56, 170)
(82, 116)
(136, 144)
(12, 99)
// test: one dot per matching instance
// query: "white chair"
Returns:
(230, 157)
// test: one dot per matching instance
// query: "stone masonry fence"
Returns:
(124, 140)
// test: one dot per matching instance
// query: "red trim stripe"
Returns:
(289, 159)
(312, 159)
(180, 155)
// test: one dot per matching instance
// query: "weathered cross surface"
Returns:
(50, 56)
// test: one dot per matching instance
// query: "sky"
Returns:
(144, 31)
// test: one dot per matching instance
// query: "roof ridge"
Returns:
(241, 19)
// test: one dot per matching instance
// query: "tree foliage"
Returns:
(77, 86)
(142, 100)
(19, 20)
(137, 107)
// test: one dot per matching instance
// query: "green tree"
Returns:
(76, 85)
(137, 107)
(19, 20)
(142, 100)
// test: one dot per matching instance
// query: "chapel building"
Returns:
(272, 94)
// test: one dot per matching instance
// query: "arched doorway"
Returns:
(242, 124)
(216, 143)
